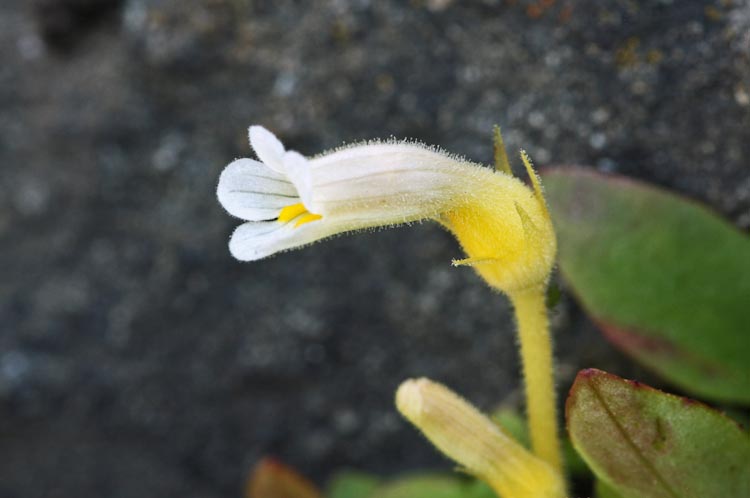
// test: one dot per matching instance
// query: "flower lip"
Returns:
(251, 191)
(292, 165)
(267, 147)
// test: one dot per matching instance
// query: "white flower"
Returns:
(290, 201)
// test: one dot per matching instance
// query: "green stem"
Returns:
(536, 356)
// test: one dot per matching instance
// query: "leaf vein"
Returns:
(636, 450)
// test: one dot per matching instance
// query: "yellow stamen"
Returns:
(290, 212)
(307, 218)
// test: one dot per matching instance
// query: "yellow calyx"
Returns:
(291, 212)
(506, 233)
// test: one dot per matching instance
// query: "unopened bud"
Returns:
(465, 435)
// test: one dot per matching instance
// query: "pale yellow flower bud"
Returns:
(465, 435)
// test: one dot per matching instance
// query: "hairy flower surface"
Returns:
(470, 438)
(290, 201)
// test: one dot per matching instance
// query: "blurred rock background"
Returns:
(138, 359)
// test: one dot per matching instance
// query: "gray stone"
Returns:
(137, 358)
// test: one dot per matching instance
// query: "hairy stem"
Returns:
(536, 356)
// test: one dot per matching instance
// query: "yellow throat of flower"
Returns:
(291, 212)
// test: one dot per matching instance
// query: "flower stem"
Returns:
(536, 356)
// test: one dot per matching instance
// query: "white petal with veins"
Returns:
(253, 240)
(251, 191)
(267, 147)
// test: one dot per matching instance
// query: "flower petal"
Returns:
(396, 182)
(251, 191)
(298, 170)
(267, 147)
(257, 240)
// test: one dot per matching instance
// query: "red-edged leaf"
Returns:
(648, 444)
(666, 279)
(272, 479)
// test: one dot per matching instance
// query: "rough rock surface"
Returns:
(138, 359)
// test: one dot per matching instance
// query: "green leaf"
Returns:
(350, 484)
(648, 444)
(604, 490)
(513, 424)
(666, 279)
(432, 486)
(478, 489)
